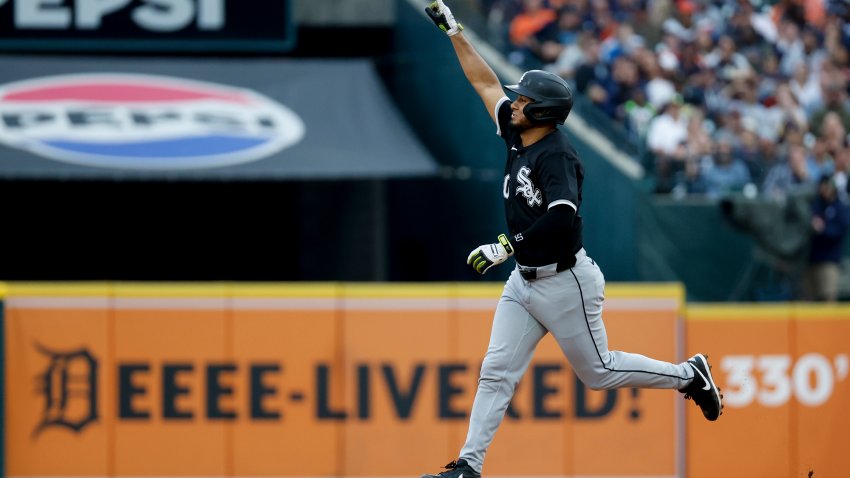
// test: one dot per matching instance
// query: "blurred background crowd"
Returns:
(720, 97)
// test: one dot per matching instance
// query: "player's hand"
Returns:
(443, 18)
(486, 256)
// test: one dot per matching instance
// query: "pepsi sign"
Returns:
(146, 25)
(143, 122)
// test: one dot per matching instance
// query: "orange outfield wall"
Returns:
(355, 380)
(312, 380)
(784, 373)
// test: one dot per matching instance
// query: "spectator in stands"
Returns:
(790, 46)
(566, 29)
(659, 89)
(592, 74)
(835, 100)
(668, 52)
(790, 176)
(690, 62)
(699, 142)
(641, 17)
(830, 218)
(704, 41)
(813, 50)
(667, 140)
(729, 173)
(768, 77)
(704, 89)
(785, 109)
(819, 157)
(805, 84)
(623, 42)
(792, 10)
(749, 150)
(727, 61)
(841, 162)
(624, 80)
(771, 150)
(682, 24)
(548, 44)
(573, 55)
(833, 133)
(534, 16)
(770, 73)
(639, 114)
(603, 19)
(730, 121)
(791, 135)
(691, 181)
(741, 29)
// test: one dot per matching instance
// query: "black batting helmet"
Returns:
(552, 96)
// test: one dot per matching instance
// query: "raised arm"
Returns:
(479, 74)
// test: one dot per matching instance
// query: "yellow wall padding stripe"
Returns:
(172, 289)
(61, 289)
(385, 290)
(806, 311)
(767, 312)
(672, 290)
(305, 289)
(738, 311)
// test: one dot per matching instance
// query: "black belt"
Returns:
(534, 273)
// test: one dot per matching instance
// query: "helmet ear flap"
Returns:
(540, 114)
(535, 114)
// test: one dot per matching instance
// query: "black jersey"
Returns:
(537, 177)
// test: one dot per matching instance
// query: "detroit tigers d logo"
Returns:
(69, 389)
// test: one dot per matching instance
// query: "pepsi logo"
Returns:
(143, 122)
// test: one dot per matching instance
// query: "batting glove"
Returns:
(443, 18)
(489, 255)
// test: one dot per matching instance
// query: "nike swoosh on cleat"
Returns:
(707, 384)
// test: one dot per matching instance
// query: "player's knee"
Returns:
(598, 385)
(491, 379)
(489, 383)
(597, 380)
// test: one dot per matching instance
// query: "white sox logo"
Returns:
(527, 188)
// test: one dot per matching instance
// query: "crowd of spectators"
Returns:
(722, 96)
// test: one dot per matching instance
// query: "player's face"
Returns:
(518, 118)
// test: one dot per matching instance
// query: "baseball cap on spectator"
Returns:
(674, 101)
(827, 179)
(686, 7)
(659, 93)
(667, 60)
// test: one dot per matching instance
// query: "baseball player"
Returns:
(555, 287)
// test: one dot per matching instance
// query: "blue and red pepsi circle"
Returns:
(143, 122)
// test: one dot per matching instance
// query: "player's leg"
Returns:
(570, 305)
(513, 338)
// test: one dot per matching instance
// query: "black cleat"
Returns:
(456, 469)
(703, 390)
